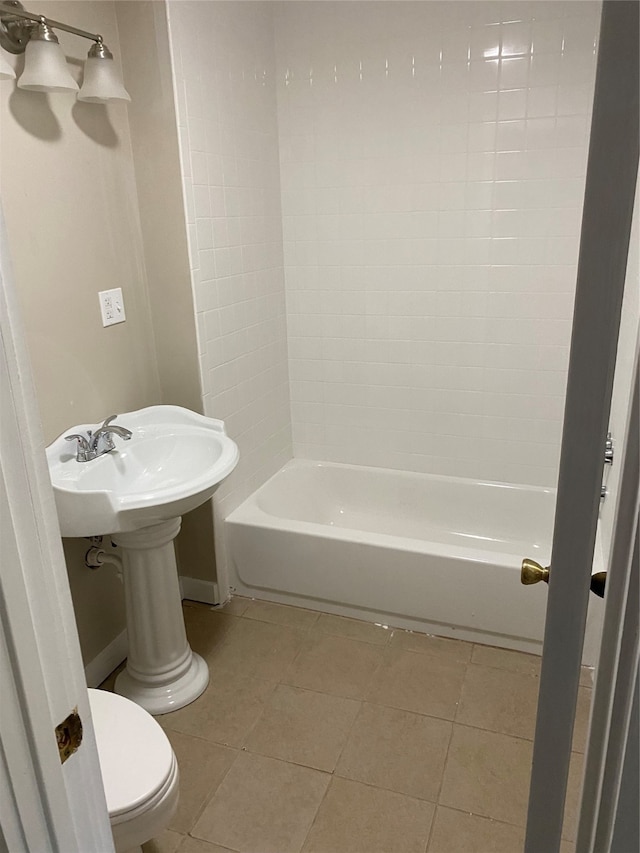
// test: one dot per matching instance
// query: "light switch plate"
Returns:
(112, 306)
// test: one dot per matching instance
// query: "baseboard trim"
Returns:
(198, 590)
(106, 661)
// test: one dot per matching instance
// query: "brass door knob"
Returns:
(598, 583)
(533, 572)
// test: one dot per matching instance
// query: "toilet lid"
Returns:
(135, 754)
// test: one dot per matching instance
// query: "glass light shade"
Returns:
(102, 82)
(6, 71)
(45, 69)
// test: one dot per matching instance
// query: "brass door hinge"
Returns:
(69, 735)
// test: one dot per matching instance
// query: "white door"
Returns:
(606, 226)
(45, 805)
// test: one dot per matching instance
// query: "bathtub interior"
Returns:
(494, 517)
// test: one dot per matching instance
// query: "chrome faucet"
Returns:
(96, 444)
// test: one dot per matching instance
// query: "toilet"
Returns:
(139, 770)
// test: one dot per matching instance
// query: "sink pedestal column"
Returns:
(162, 673)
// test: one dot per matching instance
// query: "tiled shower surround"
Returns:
(427, 198)
(432, 169)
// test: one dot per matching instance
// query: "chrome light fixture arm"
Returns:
(17, 24)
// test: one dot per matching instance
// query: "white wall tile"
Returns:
(224, 75)
(432, 160)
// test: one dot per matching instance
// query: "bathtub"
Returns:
(417, 551)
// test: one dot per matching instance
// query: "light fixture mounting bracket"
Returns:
(15, 32)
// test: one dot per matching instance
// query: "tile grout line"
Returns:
(243, 745)
(204, 840)
(346, 740)
(210, 797)
(446, 757)
(484, 817)
(315, 817)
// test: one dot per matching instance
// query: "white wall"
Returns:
(224, 74)
(85, 212)
(432, 166)
(69, 197)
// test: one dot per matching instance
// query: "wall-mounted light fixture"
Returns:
(45, 67)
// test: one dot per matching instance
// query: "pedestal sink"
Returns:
(137, 493)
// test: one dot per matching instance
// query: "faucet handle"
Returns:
(106, 429)
(107, 421)
(81, 439)
(102, 439)
(82, 447)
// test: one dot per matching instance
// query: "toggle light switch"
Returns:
(112, 306)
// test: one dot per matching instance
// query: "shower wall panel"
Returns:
(224, 78)
(432, 161)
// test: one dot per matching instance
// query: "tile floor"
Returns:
(319, 734)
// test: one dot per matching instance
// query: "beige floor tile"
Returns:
(196, 845)
(583, 713)
(460, 832)
(506, 659)
(352, 629)
(426, 684)
(335, 665)
(572, 800)
(167, 842)
(227, 710)
(356, 818)
(487, 774)
(263, 806)
(397, 750)
(189, 606)
(236, 605)
(388, 753)
(414, 641)
(206, 628)
(202, 767)
(280, 614)
(499, 700)
(304, 727)
(504, 701)
(257, 649)
(587, 676)
(110, 680)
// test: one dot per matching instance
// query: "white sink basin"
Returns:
(173, 462)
